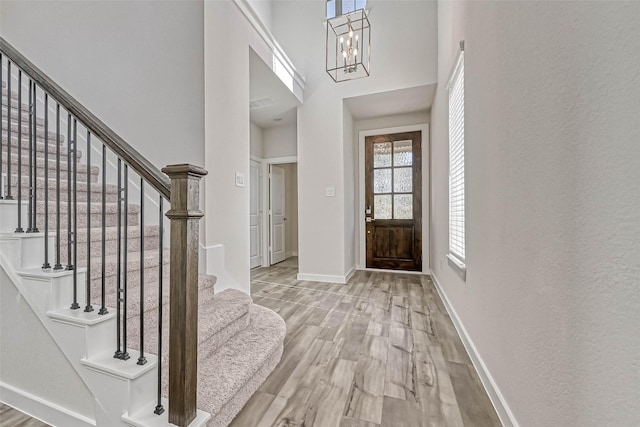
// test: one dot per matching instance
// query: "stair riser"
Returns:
(41, 162)
(111, 248)
(40, 132)
(14, 102)
(25, 117)
(40, 146)
(96, 193)
(96, 220)
(40, 172)
(25, 140)
(82, 187)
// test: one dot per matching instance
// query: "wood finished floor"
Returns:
(379, 351)
(10, 417)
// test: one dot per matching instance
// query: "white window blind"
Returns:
(456, 161)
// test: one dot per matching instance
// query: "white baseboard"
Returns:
(499, 403)
(42, 410)
(322, 278)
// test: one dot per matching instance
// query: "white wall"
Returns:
(255, 138)
(291, 208)
(396, 63)
(41, 371)
(280, 141)
(551, 300)
(138, 66)
(227, 149)
(350, 164)
(262, 8)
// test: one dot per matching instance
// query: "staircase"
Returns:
(108, 296)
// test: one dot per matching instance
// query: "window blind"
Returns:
(456, 161)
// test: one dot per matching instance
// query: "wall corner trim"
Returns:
(507, 417)
(43, 410)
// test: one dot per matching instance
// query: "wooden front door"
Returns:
(393, 201)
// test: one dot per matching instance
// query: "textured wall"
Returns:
(551, 299)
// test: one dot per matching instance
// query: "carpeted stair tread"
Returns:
(224, 317)
(151, 241)
(206, 297)
(223, 375)
(96, 208)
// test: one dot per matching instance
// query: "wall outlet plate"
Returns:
(330, 192)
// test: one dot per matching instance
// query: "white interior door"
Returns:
(277, 205)
(255, 212)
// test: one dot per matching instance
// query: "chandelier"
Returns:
(348, 46)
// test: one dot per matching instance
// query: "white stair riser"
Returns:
(51, 293)
(24, 250)
(9, 215)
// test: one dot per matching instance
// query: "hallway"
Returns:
(379, 351)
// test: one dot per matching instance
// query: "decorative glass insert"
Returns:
(402, 180)
(381, 154)
(382, 181)
(403, 206)
(382, 206)
(402, 153)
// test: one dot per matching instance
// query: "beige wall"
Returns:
(551, 300)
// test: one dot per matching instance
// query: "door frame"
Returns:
(261, 205)
(426, 185)
(266, 232)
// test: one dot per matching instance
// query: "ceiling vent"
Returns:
(261, 103)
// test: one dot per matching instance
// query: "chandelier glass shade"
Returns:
(348, 46)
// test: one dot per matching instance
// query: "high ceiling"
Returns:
(276, 103)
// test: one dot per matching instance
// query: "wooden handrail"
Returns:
(122, 149)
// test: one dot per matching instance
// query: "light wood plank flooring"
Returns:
(10, 417)
(379, 351)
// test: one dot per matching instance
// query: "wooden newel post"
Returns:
(185, 215)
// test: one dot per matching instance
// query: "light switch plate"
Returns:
(239, 179)
(330, 192)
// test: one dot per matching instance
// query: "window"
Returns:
(342, 7)
(456, 164)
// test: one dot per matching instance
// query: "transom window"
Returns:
(393, 180)
(341, 7)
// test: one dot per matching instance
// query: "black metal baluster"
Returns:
(8, 195)
(125, 354)
(69, 235)
(19, 180)
(30, 219)
(103, 308)
(46, 264)
(88, 308)
(74, 233)
(159, 408)
(35, 159)
(118, 353)
(58, 265)
(142, 360)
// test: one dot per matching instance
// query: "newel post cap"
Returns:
(183, 170)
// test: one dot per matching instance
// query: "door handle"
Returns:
(284, 219)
